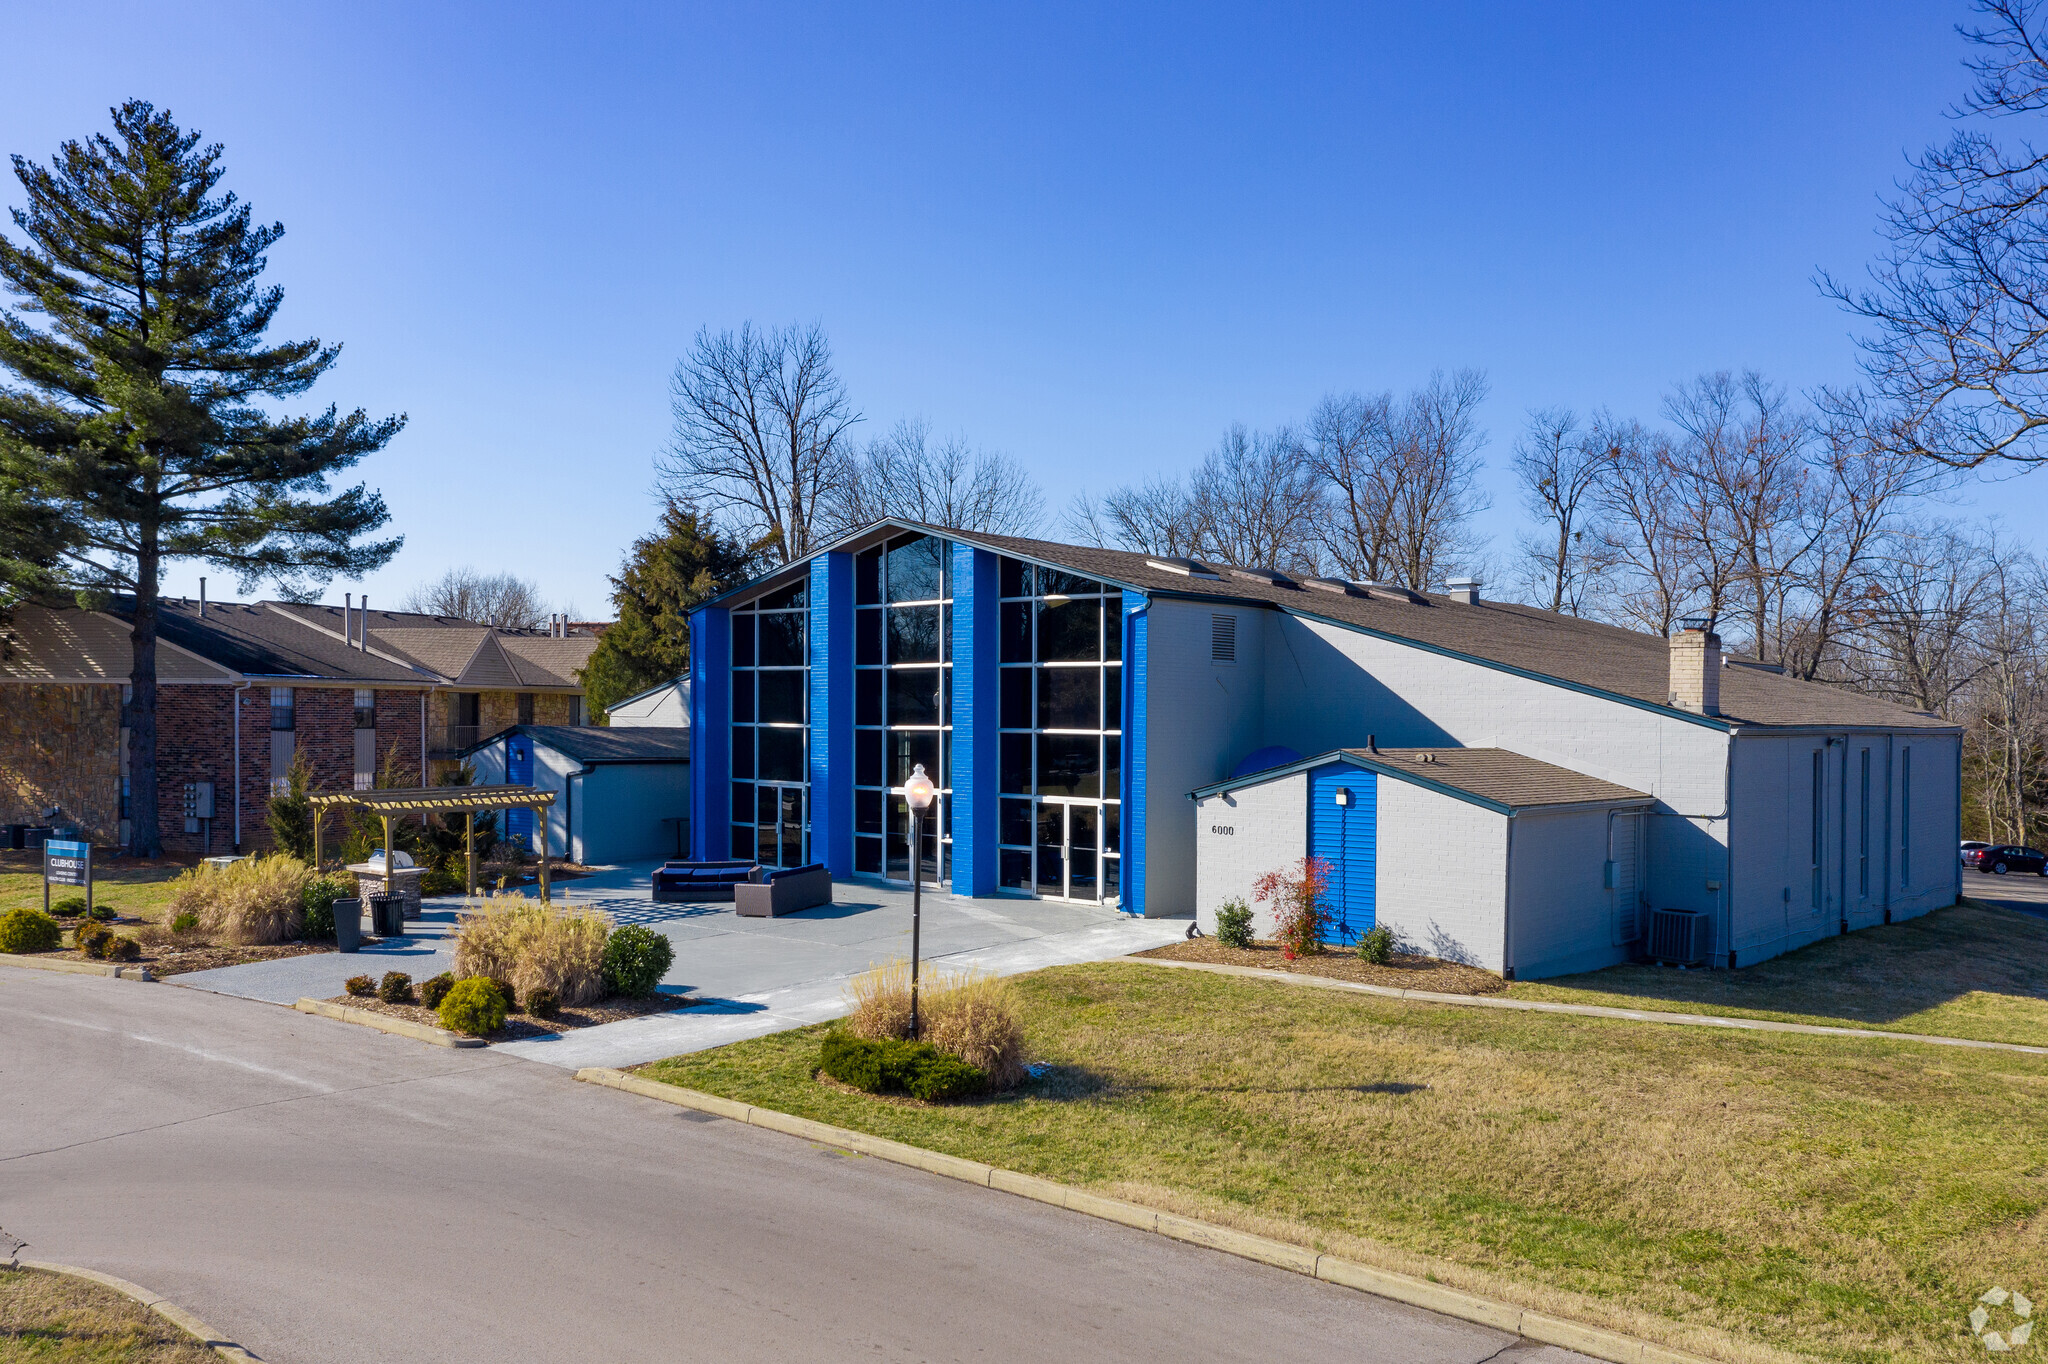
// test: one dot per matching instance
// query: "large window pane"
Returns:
(867, 856)
(1113, 698)
(1016, 631)
(782, 755)
(907, 748)
(867, 577)
(1015, 868)
(867, 697)
(1112, 869)
(1069, 764)
(782, 639)
(1112, 766)
(1014, 576)
(913, 634)
(1015, 767)
(743, 641)
(867, 757)
(1069, 698)
(1112, 629)
(914, 696)
(1068, 631)
(742, 800)
(743, 698)
(867, 636)
(867, 812)
(743, 842)
(793, 849)
(915, 567)
(1015, 822)
(1016, 702)
(742, 753)
(796, 594)
(1054, 583)
(782, 698)
(1110, 815)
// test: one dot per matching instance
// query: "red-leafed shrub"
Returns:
(1297, 895)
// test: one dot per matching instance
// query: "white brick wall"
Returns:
(1442, 874)
(1561, 913)
(1241, 837)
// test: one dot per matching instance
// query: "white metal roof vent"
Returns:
(1187, 568)
(1270, 576)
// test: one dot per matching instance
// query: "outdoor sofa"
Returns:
(784, 892)
(675, 881)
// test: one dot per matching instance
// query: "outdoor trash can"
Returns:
(387, 915)
(348, 925)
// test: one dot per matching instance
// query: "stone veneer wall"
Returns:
(59, 745)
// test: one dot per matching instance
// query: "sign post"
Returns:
(67, 864)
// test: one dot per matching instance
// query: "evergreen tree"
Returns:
(139, 408)
(686, 561)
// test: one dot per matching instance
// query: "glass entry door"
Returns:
(780, 821)
(1070, 850)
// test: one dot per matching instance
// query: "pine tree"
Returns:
(686, 561)
(139, 413)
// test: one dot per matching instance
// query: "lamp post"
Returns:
(919, 792)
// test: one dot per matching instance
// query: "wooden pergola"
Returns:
(439, 800)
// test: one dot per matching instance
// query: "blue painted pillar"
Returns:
(1135, 618)
(831, 704)
(976, 696)
(710, 733)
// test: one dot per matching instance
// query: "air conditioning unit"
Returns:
(1682, 937)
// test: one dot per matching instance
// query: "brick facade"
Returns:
(195, 742)
(60, 745)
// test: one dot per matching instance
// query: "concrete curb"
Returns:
(403, 1027)
(169, 1311)
(1540, 1327)
(1542, 1006)
(77, 968)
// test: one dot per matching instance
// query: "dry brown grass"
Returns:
(969, 1014)
(534, 946)
(255, 901)
(56, 1319)
(1842, 1198)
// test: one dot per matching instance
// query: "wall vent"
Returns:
(1223, 639)
(1682, 937)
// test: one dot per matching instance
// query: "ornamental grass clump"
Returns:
(257, 900)
(1300, 910)
(534, 946)
(29, 930)
(970, 1015)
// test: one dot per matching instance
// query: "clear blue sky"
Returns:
(1088, 240)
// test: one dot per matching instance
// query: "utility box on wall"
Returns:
(198, 804)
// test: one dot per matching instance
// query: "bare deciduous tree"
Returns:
(942, 482)
(761, 426)
(1914, 619)
(1654, 563)
(499, 599)
(1256, 502)
(1158, 517)
(1559, 465)
(1436, 444)
(1350, 445)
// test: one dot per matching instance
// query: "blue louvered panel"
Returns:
(1347, 836)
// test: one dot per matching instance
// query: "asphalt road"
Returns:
(328, 1194)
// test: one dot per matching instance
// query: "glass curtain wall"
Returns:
(771, 815)
(1062, 734)
(902, 704)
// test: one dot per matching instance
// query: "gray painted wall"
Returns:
(1442, 874)
(618, 807)
(1240, 837)
(1561, 916)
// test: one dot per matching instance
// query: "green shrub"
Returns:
(434, 989)
(1234, 924)
(184, 923)
(291, 812)
(119, 948)
(29, 930)
(317, 900)
(635, 959)
(104, 913)
(92, 939)
(395, 988)
(1377, 945)
(895, 1065)
(441, 880)
(474, 1007)
(505, 992)
(70, 907)
(542, 1003)
(362, 987)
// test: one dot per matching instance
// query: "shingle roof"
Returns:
(1581, 653)
(1491, 776)
(589, 744)
(43, 645)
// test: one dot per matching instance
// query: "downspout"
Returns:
(1891, 781)
(423, 738)
(1507, 903)
(1842, 840)
(235, 700)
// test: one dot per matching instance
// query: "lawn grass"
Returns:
(1971, 971)
(56, 1319)
(1844, 1199)
(141, 890)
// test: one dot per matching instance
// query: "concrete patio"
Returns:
(758, 975)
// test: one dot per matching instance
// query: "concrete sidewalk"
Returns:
(761, 975)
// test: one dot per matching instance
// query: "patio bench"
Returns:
(675, 881)
(784, 892)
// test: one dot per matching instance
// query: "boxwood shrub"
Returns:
(70, 907)
(434, 989)
(474, 1007)
(899, 1066)
(29, 930)
(362, 987)
(635, 959)
(395, 988)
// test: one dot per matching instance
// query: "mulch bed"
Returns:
(1402, 973)
(517, 1026)
(177, 959)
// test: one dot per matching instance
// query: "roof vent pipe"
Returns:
(363, 625)
(202, 596)
(348, 609)
(1372, 743)
(1696, 667)
(1465, 590)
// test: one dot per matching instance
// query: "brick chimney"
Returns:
(1696, 667)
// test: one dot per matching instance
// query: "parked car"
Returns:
(1971, 845)
(2000, 858)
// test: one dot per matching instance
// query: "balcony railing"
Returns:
(451, 739)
